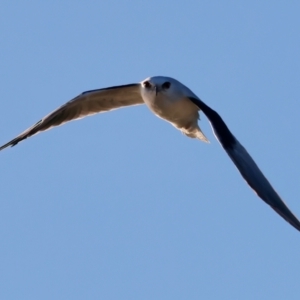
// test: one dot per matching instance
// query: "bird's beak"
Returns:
(157, 90)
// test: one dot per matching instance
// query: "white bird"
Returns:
(172, 101)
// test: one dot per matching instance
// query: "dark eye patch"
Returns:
(166, 85)
(147, 84)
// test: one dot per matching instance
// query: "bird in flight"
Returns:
(172, 101)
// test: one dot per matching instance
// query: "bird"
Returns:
(175, 103)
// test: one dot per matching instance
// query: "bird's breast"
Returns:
(172, 110)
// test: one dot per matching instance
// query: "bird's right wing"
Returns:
(246, 165)
(86, 104)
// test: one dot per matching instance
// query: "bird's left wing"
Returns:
(86, 104)
(246, 165)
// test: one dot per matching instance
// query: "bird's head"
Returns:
(154, 86)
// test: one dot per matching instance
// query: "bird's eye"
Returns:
(166, 85)
(147, 84)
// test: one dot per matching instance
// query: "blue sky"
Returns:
(122, 205)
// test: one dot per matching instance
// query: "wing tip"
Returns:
(12, 143)
(287, 215)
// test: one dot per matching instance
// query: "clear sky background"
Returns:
(121, 205)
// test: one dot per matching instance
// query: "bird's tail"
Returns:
(196, 134)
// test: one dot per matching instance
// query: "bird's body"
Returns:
(172, 101)
(172, 105)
